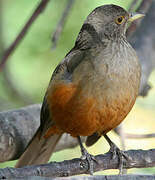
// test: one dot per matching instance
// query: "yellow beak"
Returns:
(135, 16)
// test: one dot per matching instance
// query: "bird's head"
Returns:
(110, 21)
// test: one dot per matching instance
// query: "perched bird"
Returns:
(92, 90)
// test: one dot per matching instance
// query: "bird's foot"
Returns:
(86, 156)
(90, 159)
(116, 152)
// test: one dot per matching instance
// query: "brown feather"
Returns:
(38, 151)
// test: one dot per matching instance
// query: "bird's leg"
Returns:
(116, 152)
(85, 155)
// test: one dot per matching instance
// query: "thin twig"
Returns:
(9, 85)
(139, 136)
(42, 5)
(61, 23)
(133, 136)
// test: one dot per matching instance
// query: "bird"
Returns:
(92, 89)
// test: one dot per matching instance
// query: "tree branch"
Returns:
(143, 41)
(97, 177)
(17, 127)
(42, 5)
(119, 128)
(139, 136)
(138, 159)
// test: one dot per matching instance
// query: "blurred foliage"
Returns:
(31, 65)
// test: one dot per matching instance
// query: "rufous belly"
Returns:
(82, 115)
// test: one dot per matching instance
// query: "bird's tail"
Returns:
(39, 150)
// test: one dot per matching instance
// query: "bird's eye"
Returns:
(119, 20)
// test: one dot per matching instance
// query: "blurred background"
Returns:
(26, 75)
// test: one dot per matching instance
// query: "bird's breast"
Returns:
(81, 111)
(98, 98)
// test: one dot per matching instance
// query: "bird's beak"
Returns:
(135, 16)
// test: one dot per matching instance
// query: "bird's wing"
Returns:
(40, 149)
(63, 71)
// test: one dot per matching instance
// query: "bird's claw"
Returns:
(116, 152)
(90, 158)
